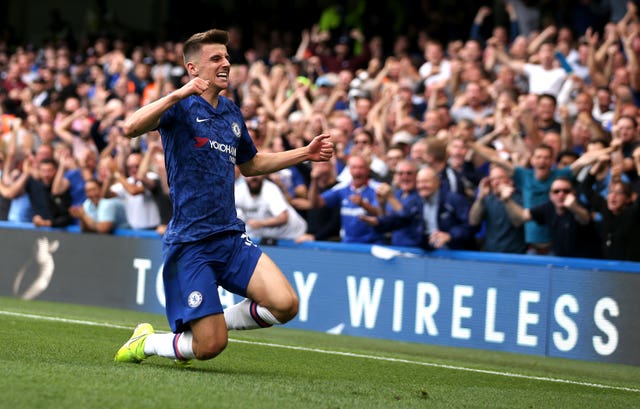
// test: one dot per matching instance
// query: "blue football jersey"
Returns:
(202, 145)
(353, 229)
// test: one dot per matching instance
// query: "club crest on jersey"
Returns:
(195, 299)
(235, 127)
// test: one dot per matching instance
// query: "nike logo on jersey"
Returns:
(202, 119)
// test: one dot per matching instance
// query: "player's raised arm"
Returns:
(318, 150)
(147, 117)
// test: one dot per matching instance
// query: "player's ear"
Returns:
(192, 69)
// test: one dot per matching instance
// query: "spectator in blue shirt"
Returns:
(355, 199)
(488, 212)
(534, 183)
(400, 208)
(99, 214)
(322, 223)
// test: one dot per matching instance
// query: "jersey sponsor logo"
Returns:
(195, 299)
(202, 119)
(215, 145)
(200, 142)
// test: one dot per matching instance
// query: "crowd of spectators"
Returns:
(519, 142)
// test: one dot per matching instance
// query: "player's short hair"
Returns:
(194, 43)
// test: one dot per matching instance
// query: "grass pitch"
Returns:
(61, 356)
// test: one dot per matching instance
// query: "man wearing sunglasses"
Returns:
(572, 230)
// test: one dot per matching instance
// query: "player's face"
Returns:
(214, 65)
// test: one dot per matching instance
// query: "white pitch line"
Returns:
(347, 354)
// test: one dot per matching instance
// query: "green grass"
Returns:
(52, 363)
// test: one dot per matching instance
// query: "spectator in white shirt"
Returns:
(140, 205)
(265, 210)
(544, 77)
(436, 68)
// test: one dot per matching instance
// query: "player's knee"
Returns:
(210, 348)
(285, 308)
(291, 309)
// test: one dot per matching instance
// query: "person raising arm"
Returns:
(205, 245)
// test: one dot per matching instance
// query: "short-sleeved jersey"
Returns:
(353, 229)
(202, 145)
